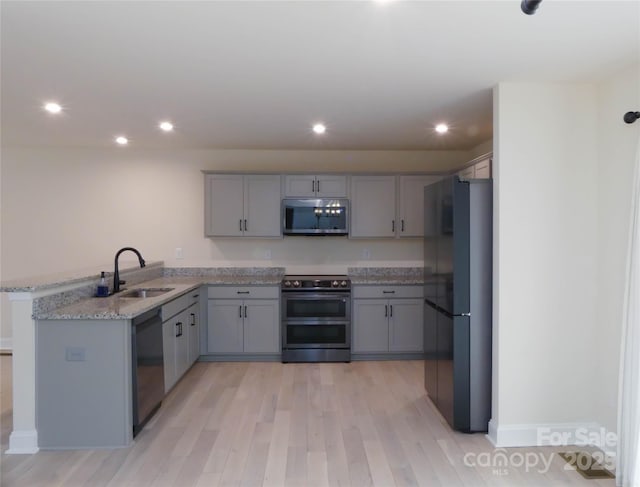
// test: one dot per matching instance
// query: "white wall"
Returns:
(66, 209)
(545, 171)
(617, 145)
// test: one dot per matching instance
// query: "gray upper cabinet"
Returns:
(373, 206)
(311, 185)
(411, 205)
(239, 205)
(480, 170)
(376, 211)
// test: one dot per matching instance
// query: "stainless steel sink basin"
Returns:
(148, 292)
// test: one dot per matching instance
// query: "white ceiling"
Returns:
(256, 75)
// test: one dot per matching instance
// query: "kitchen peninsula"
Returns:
(42, 304)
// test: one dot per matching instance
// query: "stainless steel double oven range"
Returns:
(316, 319)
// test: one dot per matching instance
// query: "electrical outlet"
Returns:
(179, 253)
(75, 354)
(366, 254)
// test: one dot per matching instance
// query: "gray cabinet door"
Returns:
(373, 206)
(261, 326)
(225, 333)
(224, 204)
(181, 329)
(370, 325)
(168, 346)
(300, 185)
(412, 204)
(405, 325)
(194, 332)
(331, 186)
(262, 205)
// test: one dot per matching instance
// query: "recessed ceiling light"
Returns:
(52, 107)
(122, 140)
(166, 126)
(319, 128)
(442, 128)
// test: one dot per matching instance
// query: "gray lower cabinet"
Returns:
(177, 337)
(194, 331)
(83, 387)
(243, 320)
(387, 325)
(84, 374)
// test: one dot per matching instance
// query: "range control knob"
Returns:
(343, 284)
(335, 283)
(296, 283)
(287, 283)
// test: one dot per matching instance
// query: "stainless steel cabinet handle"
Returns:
(240, 224)
(179, 329)
(391, 310)
(245, 225)
(318, 186)
(243, 292)
(393, 225)
(388, 292)
(386, 310)
(245, 311)
(240, 311)
(402, 225)
(193, 319)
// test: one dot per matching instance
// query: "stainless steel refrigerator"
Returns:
(457, 318)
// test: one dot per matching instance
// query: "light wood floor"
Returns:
(253, 424)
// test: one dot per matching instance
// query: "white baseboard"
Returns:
(6, 344)
(23, 442)
(551, 434)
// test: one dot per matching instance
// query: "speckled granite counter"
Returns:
(117, 307)
(185, 279)
(386, 275)
(51, 281)
(181, 281)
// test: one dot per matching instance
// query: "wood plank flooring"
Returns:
(272, 425)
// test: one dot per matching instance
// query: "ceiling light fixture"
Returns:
(166, 126)
(122, 140)
(52, 107)
(442, 128)
(319, 128)
(529, 7)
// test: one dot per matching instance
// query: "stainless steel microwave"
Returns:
(312, 216)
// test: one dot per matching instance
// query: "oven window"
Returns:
(316, 308)
(316, 334)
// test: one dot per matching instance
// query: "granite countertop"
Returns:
(183, 280)
(51, 281)
(116, 307)
(386, 276)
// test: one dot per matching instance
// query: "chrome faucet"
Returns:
(116, 273)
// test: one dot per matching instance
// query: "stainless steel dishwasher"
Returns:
(147, 364)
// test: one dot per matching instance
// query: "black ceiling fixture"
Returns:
(631, 117)
(529, 7)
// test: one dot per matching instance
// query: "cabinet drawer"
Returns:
(182, 302)
(244, 292)
(388, 292)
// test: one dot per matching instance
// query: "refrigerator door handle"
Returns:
(438, 308)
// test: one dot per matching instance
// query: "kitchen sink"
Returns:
(149, 292)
